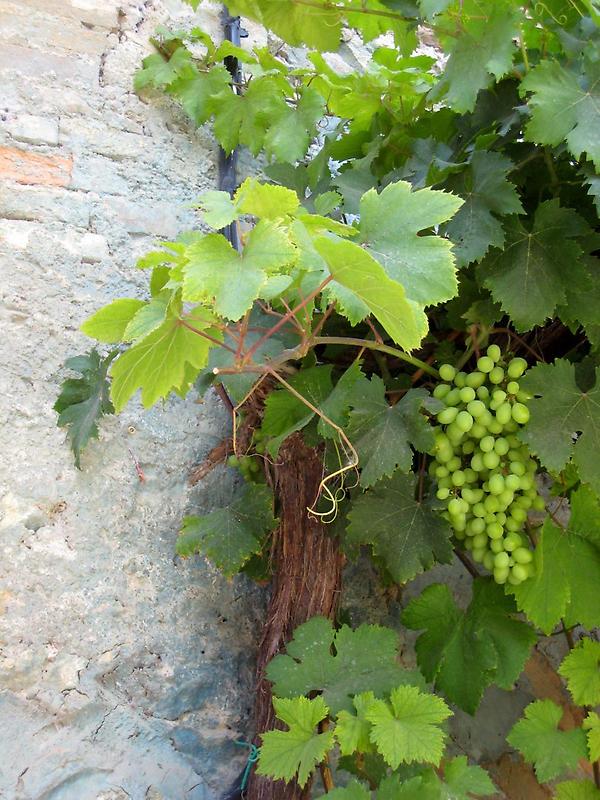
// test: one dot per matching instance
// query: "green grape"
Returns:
(233, 461)
(512, 387)
(494, 352)
(467, 394)
(520, 572)
(470, 475)
(453, 464)
(518, 514)
(522, 555)
(480, 540)
(538, 503)
(458, 478)
(487, 444)
(495, 530)
(512, 525)
(478, 431)
(447, 372)
(491, 504)
(506, 496)
(496, 546)
(441, 471)
(459, 379)
(511, 542)
(501, 517)
(523, 397)
(477, 463)
(453, 397)
(483, 393)
(491, 459)
(518, 468)
(496, 484)
(475, 407)
(486, 418)
(496, 375)
(468, 447)
(447, 415)
(477, 525)
(485, 364)
(501, 446)
(464, 421)
(501, 574)
(478, 554)
(441, 390)
(455, 506)
(501, 559)
(495, 427)
(479, 510)
(503, 414)
(516, 368)
(520, 413)
(442, 493)
(459, 522)
(475, 380)
(488, 561)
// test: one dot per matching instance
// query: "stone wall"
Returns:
(124, 672)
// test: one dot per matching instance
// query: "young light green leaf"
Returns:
(352, 731)
(488, 194)
(110, 322)
(317, 25)
(577, 790)
(358, 273)
(463, 780)
(406, 729)
(147, 318)
(464, 652)
(157, 363)
(530, 275)
(565, 105)
(229, 536)
(581, 670)
(404, 533)
(565, 421)
(198, 92)
(365, 657)
(353, 791)
(265, 200)
(382, 434)
(537, 737)
(591, 724)
(218, 209)
(390, 223)
(83, 401)
(285, 755)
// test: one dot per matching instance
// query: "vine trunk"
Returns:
(307, 566)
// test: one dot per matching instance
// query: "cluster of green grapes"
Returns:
(250, 465)
(484, 473)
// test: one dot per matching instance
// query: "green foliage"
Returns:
(463, 652)
(405, 534)
(591, 725)
(581, 670)
(537, 737)
(365, 657)
(230, 536)
(559, 411)
(82, 402)
(577, 790)
(285, 754)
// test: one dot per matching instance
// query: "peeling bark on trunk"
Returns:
(307, 566)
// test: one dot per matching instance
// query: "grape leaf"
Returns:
(487, 193)
(198, 92)
(353, 791)
(406, 729)
(390, 223)
(148, 317)
(358, 273)
(591, 724)
(317, 25)
(218, 209)
(483, 47)
(465, 652)
(157, 364)
(581, 670)
(297, 751)
(265, 199)
(83, 401)
(382, 434)
(576, 790)
(217, 272)
(565, 105)
(407, 535)
(160, 72)
(537, 737)
(352, 730)
(462, 780)
(109, 323)
(530, 276)
(560, 410)
(230, 536)
(365, 657)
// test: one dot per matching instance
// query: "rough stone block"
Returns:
(38, 64)
(99, 13)
(157, 219)
(90, 247)
(95, 174)
(22, 166)
(45, 205)
(99, 138)
(33, 130)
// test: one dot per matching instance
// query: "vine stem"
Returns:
(206, 336)
(382, 348)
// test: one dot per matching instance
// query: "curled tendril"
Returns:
(348, 462)
(542, 8)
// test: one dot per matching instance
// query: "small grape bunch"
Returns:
(250, 464)
(485, 475)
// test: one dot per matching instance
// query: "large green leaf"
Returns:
(530, 276)
(577, 790)
(390, 223)
(110, 322)
(364, 658)
(565, 105)
(581, 670)
(230, 536)
(297, 751)
(83, 401)
(565, 421)
(407, 535)
(382, 434)
(551, 751)
(317, 25)
(463, 652)
(567, 569)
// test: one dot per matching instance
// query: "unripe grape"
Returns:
(455, 506)
(491, 504)
(516, 368)
(501, 446)
(477, 462)
(503, 413)
(479, 510)
(501, 559)
(491, 460)
(483, 393)
(477, 525)
(453, 464)
(520, 413)
(478, 431)
(467, 394)
(447, 415)
(520, 572)
(496, 375)
(518, 514)
(453, 397)
(496, 484)
(442, 493)
(485, 364)
(518, 468)
(512, 387)
(488, 561)
(468, 447)
(487, 444)
(475, 379)
(538, 503)
(513, 580)
(494, 352)
(475, 407)
(496, 546)
(478, 554)
(501, 574)
(495, 427)
(441, 390)
(459, 379)
(522, 555)
(495, 530)
(447, 372)
(511, 542)
(464, 421)
(480, 540)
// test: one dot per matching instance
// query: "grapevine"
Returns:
(484, 473)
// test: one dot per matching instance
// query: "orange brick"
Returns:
(22, 166)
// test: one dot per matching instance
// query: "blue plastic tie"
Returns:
(252, 759)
